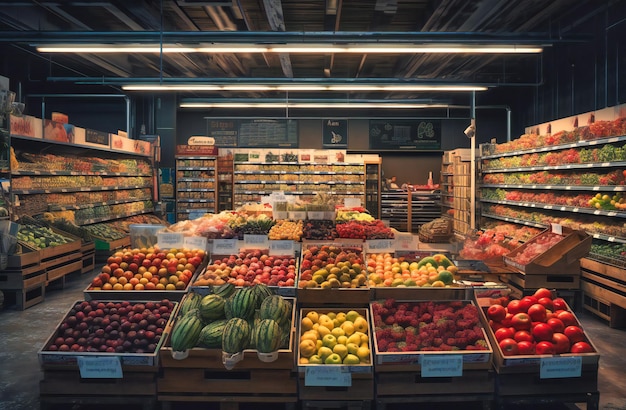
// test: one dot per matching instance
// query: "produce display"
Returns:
(588, 200)
(353, 214)
(598, 178)
(243, 224)
(427, 326)
(357, 229)
(104, 231)
(539, 245)
(516, 233)
(148, 269)
(613, 253)
(64, 163)
(210, 226)
(334, 338)
(284, 229)
(248, 268)
(539, 324)
(488, 244)
(233, 320)
(330, 266)
(607, 153)
(318, 230)
(40, 236)
(385, 270)
(112, 327)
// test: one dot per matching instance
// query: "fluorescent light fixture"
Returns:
(292, 48)
(301, 87)
(309, 105)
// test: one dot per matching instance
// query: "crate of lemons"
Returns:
(334, 337)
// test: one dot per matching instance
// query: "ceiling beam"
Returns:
(274, 13)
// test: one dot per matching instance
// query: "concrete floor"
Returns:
(22, 334)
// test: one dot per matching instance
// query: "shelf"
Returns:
(197, 200)
(189, 211)
(76, 146)
(80, 189)
(590, 165)
(301, 182)
(515, 221)
(595, 188)
(299, 192)
(196, 179)
(112, 217)
(79, 173)
(599, 212)
(195, 190)
(578, 144)
(91, 205)
(196, 168)
(302, 163)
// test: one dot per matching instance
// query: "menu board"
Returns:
(268, 133)
(224, 132)
(392, 134)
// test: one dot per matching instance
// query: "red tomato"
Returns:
(496, 313)
(561, 343)
(526, 302)
(504, 333)
(525, 347)
(537, 313)
(545, 347)
(559, 304)
(543, 293)
(521, 321)
(542, 331)
(581, 347)
(567, 318)
(556, 324)
(508, 347)
(523, 335)
(574, 333)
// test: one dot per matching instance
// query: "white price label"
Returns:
(405, 244)
(557, 229)
(170, 240)
(256, 241)
(282, 248)
(195, 242)
(379, 245)
(225, 247)
(351, 202)
(442, 365)
(559, 367)
(327, 376)
(100, 367)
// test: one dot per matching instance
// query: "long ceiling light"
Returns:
(301, 87)
(307, 104)
(294, 48)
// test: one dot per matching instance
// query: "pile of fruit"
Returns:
(105, 232)
(536, 247)
(248, 268)
(331, 266)
(427, 326)
(284, 229)
(488, 244)
(251, 225)
(319, 230)
(334, 338)
(374, 229)
(148, 269)
(112, 327)
(40, 237)
(353, 214)
(385, 270)
(233, 320)
(537, 324)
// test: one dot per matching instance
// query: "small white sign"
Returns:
(442, 365)
(557, 229)
(170, 240)
(327, 376)
(379, 245)
(255, 241)
(559, 367)
(225, 247)
(282, 248)
(100, 367)
(351, 202)
(195, 242)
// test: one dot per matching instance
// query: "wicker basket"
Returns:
(438, 230)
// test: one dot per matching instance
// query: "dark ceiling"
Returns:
(22, 23)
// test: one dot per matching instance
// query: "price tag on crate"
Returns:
(405, 243)
(442, 365)
(100, 367)
(379, 246)
(255, 241)
(352, 202)
(195, 242)
(282, 248)
(557, 229)
(225, 247)
(170, 240)
(560, 367)
(330, 375)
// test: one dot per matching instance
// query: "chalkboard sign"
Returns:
(268, 133)
(224, 132)
(405, 134)
(335, 133)
(97, 137)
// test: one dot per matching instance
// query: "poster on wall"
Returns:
(335, 133)
(391, 134)
(268, 133)
(224, 132)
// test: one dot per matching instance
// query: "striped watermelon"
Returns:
(186, 332)
(268, 336)
(211, 334)
(262, 291)
(236, 335)
(243, 303)
(191, 301)
(275, 308)
(224, 290)
(212, 307)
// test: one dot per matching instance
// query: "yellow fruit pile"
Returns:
(334, 338)
(286, 230)
(385, 270)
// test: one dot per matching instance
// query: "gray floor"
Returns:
(22, 334)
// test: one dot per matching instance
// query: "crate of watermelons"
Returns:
(539, 333)
(130, 333)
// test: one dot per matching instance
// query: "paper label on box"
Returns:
(100, 367)
(557, 229)
(282, 248)
(278, 196)
(559, 367)
(255, 241)
(352, 202)
(225, 246)
(170, 240)
(327, 376)
(442, 365)
(379, 245)
(407, 243)
(195, 242)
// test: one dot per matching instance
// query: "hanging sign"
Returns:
(391, 134)
(335, 133)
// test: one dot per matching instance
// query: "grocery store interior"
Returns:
(323, 204)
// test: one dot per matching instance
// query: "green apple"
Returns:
(315, 359)
(352, 315)
(329, 341)
(351, 359)
(333, 359)
(323, 352)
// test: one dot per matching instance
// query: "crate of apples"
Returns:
(147, 269)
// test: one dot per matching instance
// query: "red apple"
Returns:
(508, 347)
(542, 331)
(561, 343)
(559, 304)
(556, 324)
(574, 333)
(526, 347)
(537, 312)
(581, 347)
(545, 347)
(504, 333)
(543, 293)
(567, 318)
(496, 313)
(523, 335)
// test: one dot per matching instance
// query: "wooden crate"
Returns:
(316, 297)
(523, 281)
(603, 291)
(411, 384)
(362, 389)
(26, 297)
(58, 267)
(24, 279)
(26, 258)
(88, 251)
(104, 245)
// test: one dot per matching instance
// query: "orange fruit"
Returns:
(139, 286)
(150, 286)
(170, 286)
(122, 280)
(107, 286)
(118, 286)
(160, 286)
(128, 286)
(112, 280)
(147, 275)
(143, 281)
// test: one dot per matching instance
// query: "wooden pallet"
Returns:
(604, 291)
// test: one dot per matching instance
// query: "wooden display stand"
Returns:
(23, 281)
(602, 291)
(88, 250)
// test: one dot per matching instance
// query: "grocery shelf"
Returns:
(78, 173)
(588, 165)
(93, 204)
(597, 188)
(112, 217)
(75, 146)
(196, 165)
(561, 208)
(77, 189)
(196, 168)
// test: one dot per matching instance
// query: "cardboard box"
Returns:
(574, 246)
(26, 126)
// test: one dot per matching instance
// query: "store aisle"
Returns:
(23, 333)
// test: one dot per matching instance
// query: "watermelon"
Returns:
(212, 307)
(262, 291)
(191, 301)
(243, 303)
(186, 332)
(268, 336)
(211, 334)
(235, 336)
(224, 290)
(275, 308)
